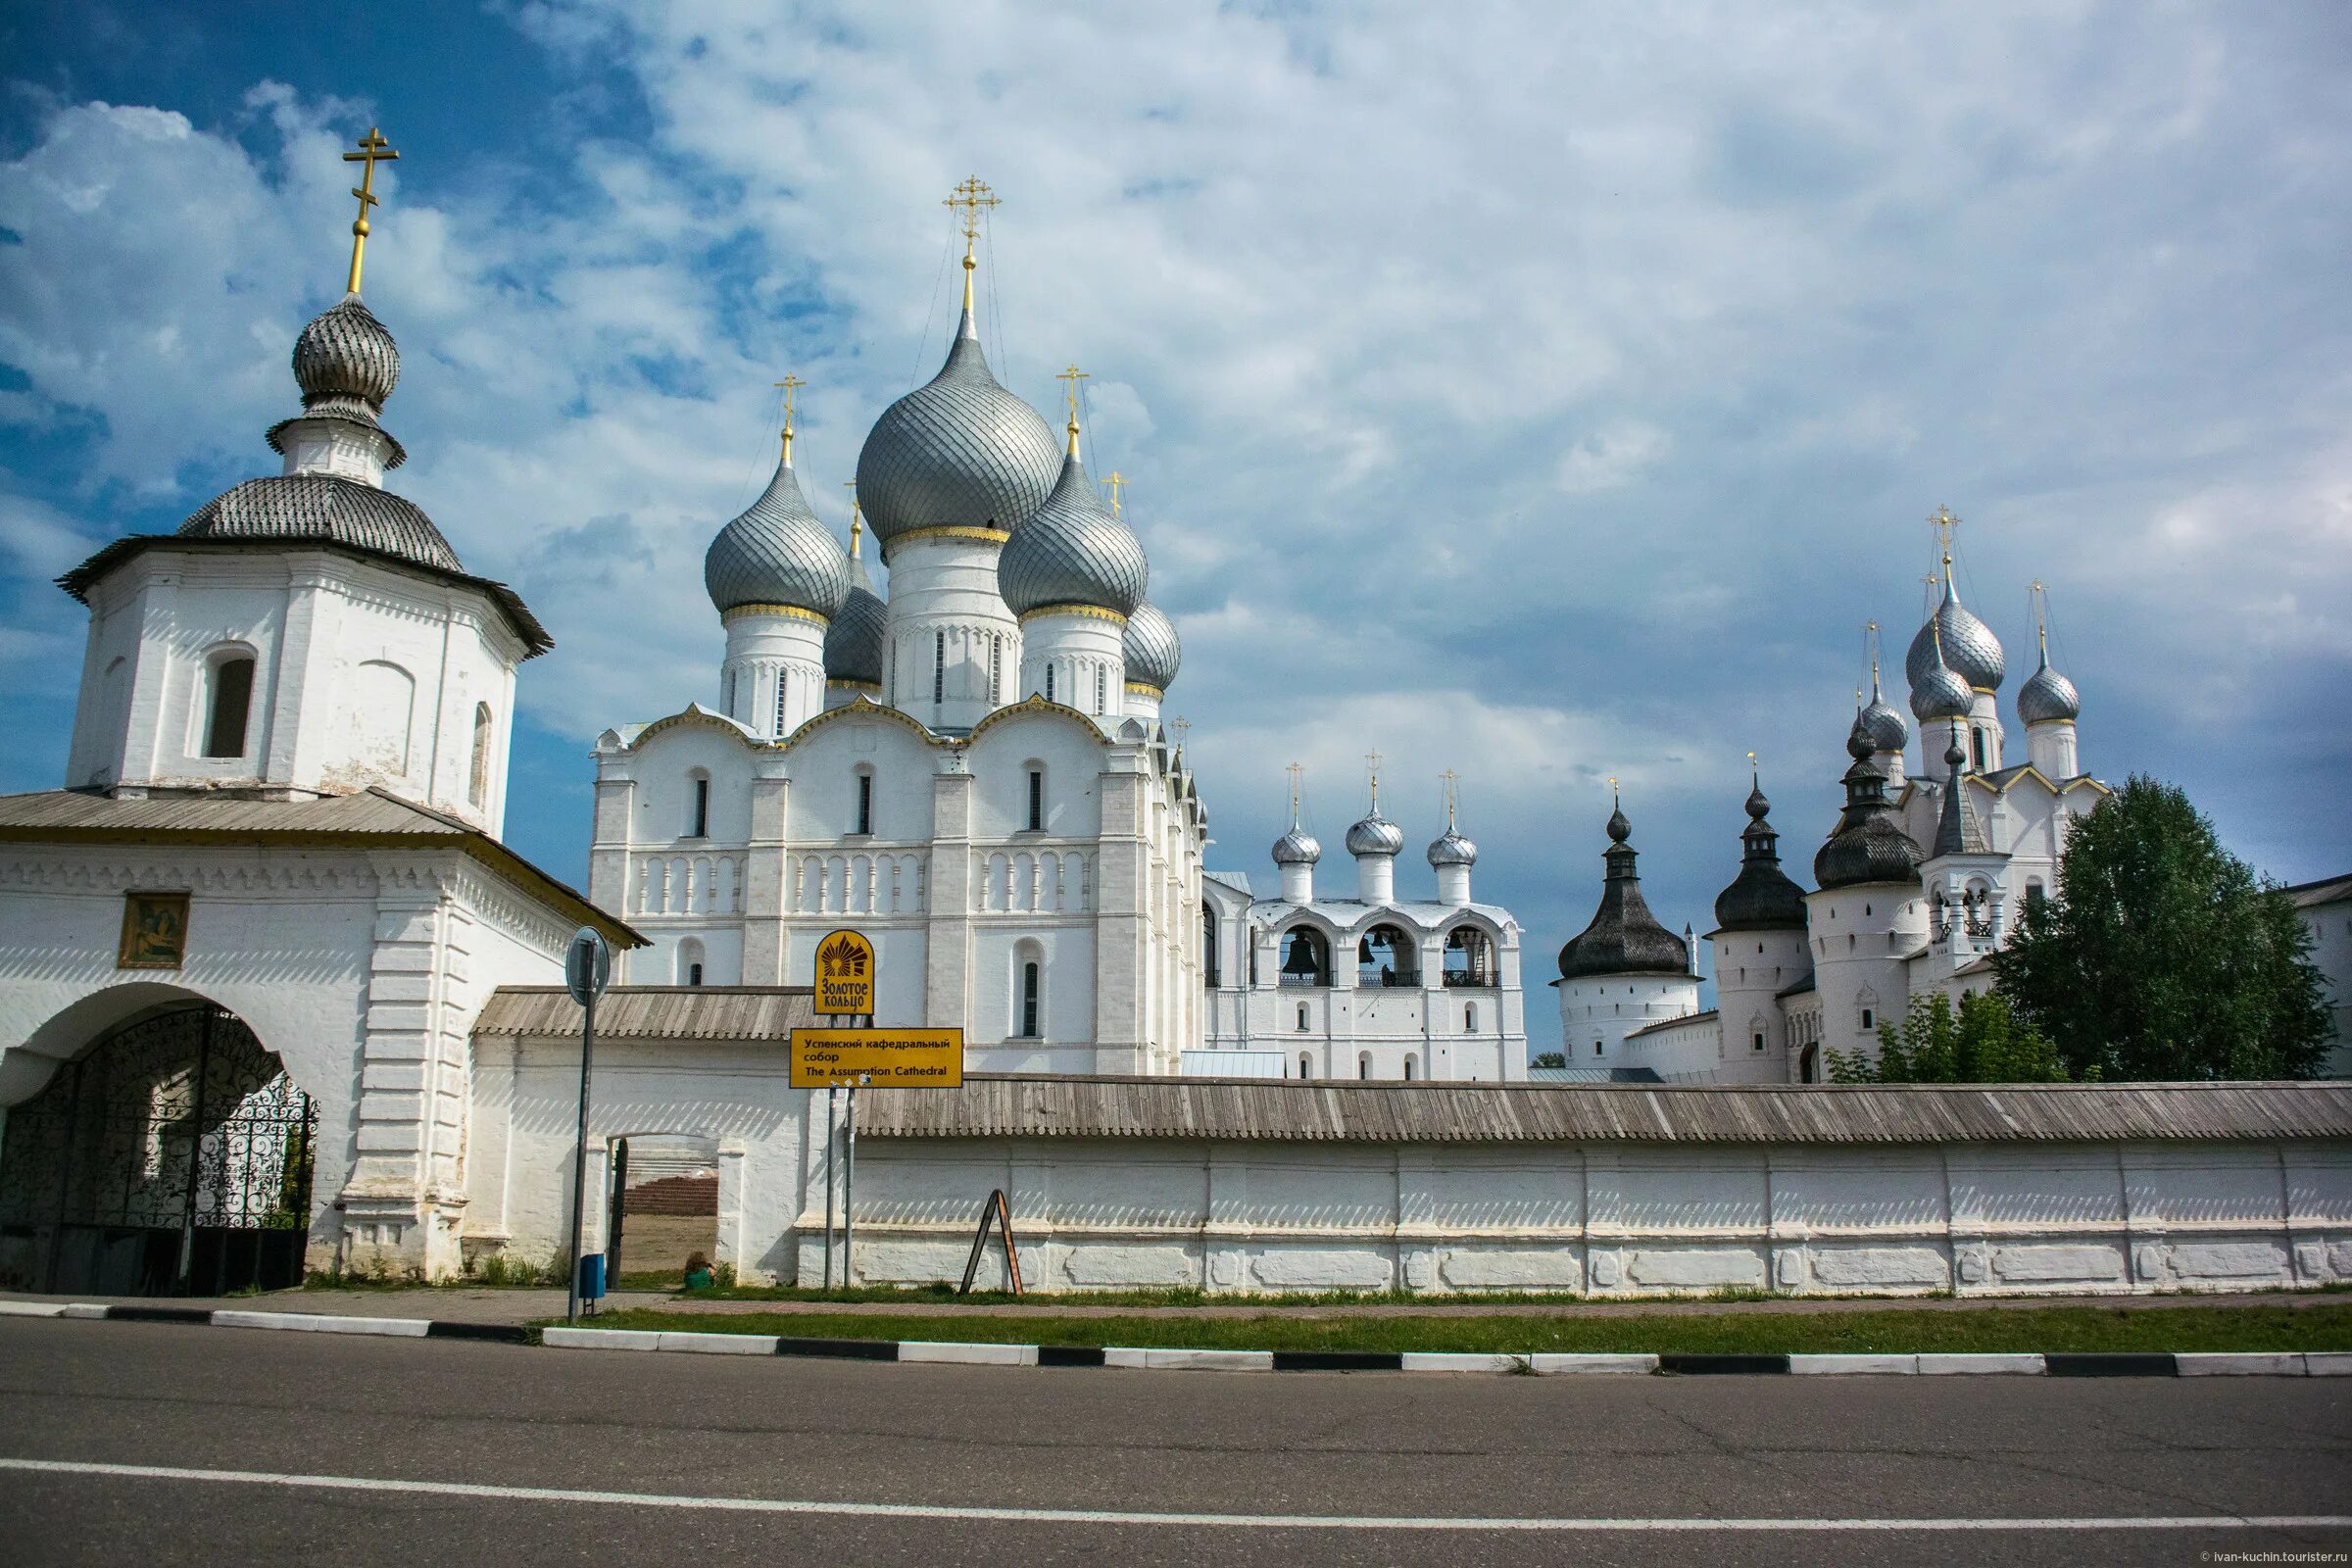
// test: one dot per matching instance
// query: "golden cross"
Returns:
(1183, 726)
(1450, 777)
(973, 196)
(1372, 760)
(856, 523)
(790, 384)
(373, 150)
(1293, 770)
(1118, 482)
(1073, 376)
(1943, 522)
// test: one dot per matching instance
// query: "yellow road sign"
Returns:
(845, 976)
(878, 1058)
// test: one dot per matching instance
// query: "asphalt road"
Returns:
(719, 1438)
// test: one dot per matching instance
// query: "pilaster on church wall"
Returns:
(763, 874)
(947, 948)
(1122, 925)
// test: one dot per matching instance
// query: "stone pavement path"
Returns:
(481, 1304)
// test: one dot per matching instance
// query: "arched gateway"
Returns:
(172, 1157)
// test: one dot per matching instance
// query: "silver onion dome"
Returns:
(1071, 551)
(956, 452)
(854, 641)
(777, 553)
(1970, 647)
(1884, 726)
(1451, 848)
(1938, 691)
(347, 352)
(1375, 834)
(1298, 847)
(1153, 650)
(2049, 696)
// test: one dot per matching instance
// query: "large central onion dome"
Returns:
(1153, 650)
(1073, 552)
(959, 452)
(1970, 647)
(777, 553)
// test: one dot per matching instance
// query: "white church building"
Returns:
(1917, 884)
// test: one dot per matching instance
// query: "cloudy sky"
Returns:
(1546, 392)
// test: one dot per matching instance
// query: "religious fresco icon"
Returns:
(155, 931)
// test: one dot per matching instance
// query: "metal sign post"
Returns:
(832, 1122)
(849, 1188)
(587, 970)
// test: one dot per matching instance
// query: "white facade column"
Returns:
(953, 647)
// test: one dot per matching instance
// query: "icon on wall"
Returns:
(155, 931)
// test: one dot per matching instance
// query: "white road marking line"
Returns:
(1100, 1517)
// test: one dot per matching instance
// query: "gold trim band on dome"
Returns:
(1146, 688)
(853, 685)
(945, 531)
(729, 615)
(1084, 611)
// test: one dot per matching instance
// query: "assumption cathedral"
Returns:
(272, 988)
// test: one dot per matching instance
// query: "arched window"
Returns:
(726, 694)
(1100, 696)
(783, 684)
(1978, 745)
(1408, 1069)
(1303, 1017)
(996, 666)
(477, 778)
(1470, 1016)
(1387, 956)
(1037, 798)
(1468, 958)
(865, 801)
(1306, 1065)
(1208, 946)
(231, 702)
(939, 667)
(1363, 1065)
(1049, 683)
(690, 962)
(698, 805)
(1028, 1027)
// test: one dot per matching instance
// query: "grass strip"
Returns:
(2022, 1329)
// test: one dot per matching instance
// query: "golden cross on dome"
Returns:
(790, 384)
(1943, 523)
(1293, 770)
(1116, 482)
(1073, 376)
(1183, 726)
(1372, 762)
(857, 521)
(973, 197)
(1450, 777)
(373, 150)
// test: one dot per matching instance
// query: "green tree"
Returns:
(1550, 1058)
(1982, 1042)
(2162, 957)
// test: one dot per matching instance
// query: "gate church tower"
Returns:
(277, 846)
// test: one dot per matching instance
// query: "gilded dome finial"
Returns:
(373, 150)
(1073, 376)
(856, 518)
(790, 384)
(973, 197)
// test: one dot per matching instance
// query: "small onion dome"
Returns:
(1939, 690)
(956, 452)
(1884, 726)
(346, 353)
(2048, 696)
(1969, 646)
(853, 640)
(1375, 834)
(777, 554)
(1298, 847)
(1761, 898)
(324, 508)
(1451, 848)
(1624, 938)
(1071, 551)
(1868, 845)
(1153, 650)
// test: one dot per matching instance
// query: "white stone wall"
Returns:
(363, 674)
(1243, 1216)
(1597, 1011)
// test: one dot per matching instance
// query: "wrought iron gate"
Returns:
(174, 1158)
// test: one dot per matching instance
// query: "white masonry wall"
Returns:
(1242, 1217)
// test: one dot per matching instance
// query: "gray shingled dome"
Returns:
(1152, 652)
(1884, 726)
(346, 353)
(957, 451)
(2048, 694)
(1761, 898)
(854, 642)
(321, 506)
(1298, 847)
(1939, 692)
(1375, 834)
(1073, 552)
(1970, 647)
(1451, 848)
(1624, 938)
(777, 554)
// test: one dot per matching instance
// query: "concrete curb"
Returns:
(2134, 1364)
